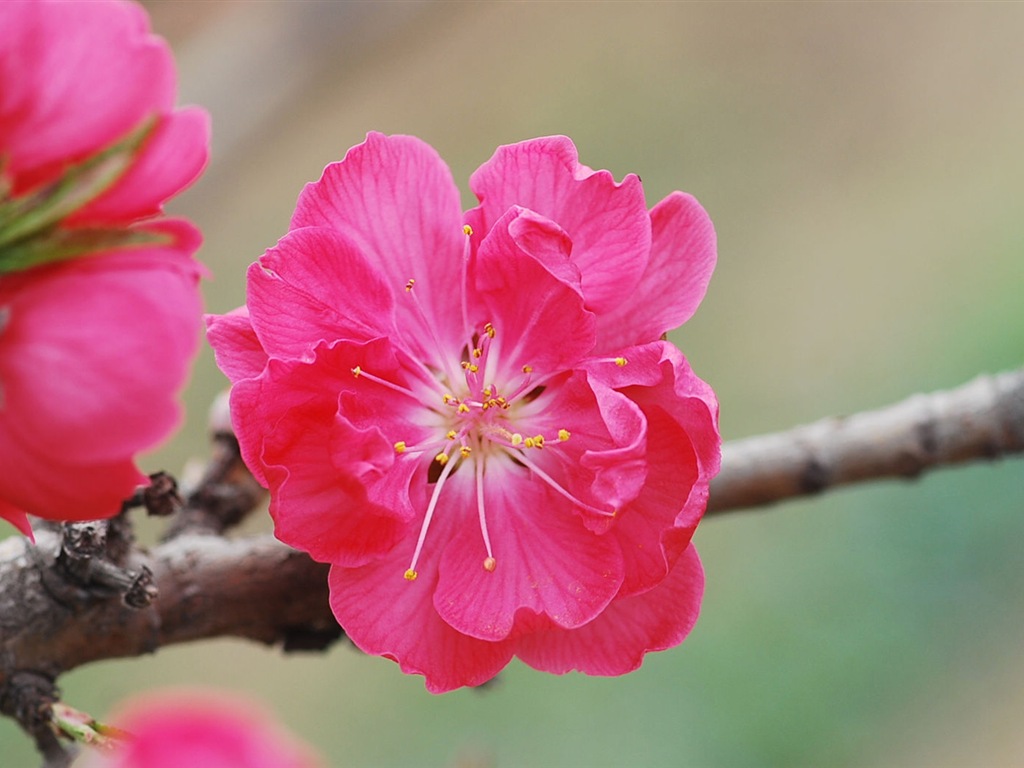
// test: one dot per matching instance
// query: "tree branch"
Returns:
(85, 593)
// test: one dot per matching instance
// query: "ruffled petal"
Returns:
(615, 642)
(547, 562)
(95, 349)
(315, 286)
(396, 200)
(683, 255)
(607, 222)
(539, 318)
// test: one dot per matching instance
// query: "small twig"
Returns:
(983, 419)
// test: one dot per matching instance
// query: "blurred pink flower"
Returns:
(179, 729)
(483, 404)
(99, 313)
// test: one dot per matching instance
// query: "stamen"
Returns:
(400, 446)
(411, 574)
(521, 456)
(564, 434)
(410, 284)
(359, 373)
(467, 252)
(489, 562)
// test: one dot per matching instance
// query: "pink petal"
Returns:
(316, 463)
(172, 158)
(607, 222)
(386, 615)
(548, 563)
(316, 286)
(539, 319)
(395, 199)
(683, 255)
(239, 353)
(95, 349)
(615, 642)
(16, 517)
(75, 77)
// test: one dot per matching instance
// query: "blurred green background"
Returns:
(864, 167)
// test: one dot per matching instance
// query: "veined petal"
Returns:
(539, 318)
(237, 349)
(683, 255)
(94, 349)
(396, 200)
(296, 300)
(386, 615)
(615, 642)
(607, 222)
(548, 562)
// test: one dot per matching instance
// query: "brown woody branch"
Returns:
(197, 585)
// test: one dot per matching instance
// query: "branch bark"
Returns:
(206, 585)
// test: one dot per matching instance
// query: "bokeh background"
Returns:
(864, 166)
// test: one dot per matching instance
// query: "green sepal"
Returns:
(22, 217)
(62, 244)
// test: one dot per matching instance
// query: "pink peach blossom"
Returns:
(99, 311)
(181, 728)
(473, 417)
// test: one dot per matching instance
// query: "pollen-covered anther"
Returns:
(441, 458)
(490, 564)
(467, 230)
(357, 371)
(528, 442)
(410, 284)
(471, 367)
(451, 434)
(621, 362)
(489, 330)
(400, 446)
(465, 451)
(447, 399)
(463, 408)
(564, 434)
(410, 575)
(538, 441)
(527, 369)
(478, 353)
(517, 440)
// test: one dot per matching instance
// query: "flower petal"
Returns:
(384, 614)
(683, 255)
(95, 349)
(395, 199)
(239, 353)
(539, 318)
(548, 563)
(615, 642)
(607, 222)
(297, 298)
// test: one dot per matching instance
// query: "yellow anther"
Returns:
(411, 575)
(486, 404)
(488, 392)
(528, 442)
(564, 434)
(467, 230)
(527, 369)
(451, 434)
(489, 330)
(441, 458)
(471, 367)
(490, 564)
(517, 439)
(465, 451)
(621, 362)
(505, 405)
(538, 441)
(410, 284)
(356, 371)
(478, 352)
(400, 446)
(463, 408)
(447, 399)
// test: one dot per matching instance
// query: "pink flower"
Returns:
(473, 417)
(195, 728)
(81, 79)
(99, 314)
